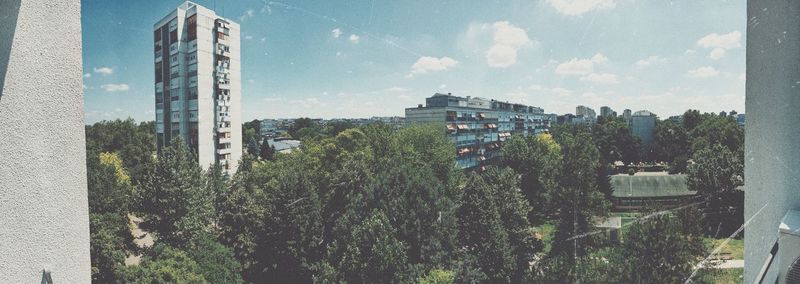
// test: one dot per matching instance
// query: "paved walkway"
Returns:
(725, 264)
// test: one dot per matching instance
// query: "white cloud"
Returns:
(87, 75)
(263, 39)
(354, 38)
(273, 99)
(427, 63)
(336, 33)
(577, 66)
(508, 39)
(599, 58)
(396, 89)
(703, 72)
(579, 7)
(308, 102)
(104, 70)
(717, 53)
(689, 51)
(726, 41)
(115, 87)
(652, 60)
(248, 37)
(604, 78)
(247, 14)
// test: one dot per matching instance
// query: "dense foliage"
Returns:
(372, 204)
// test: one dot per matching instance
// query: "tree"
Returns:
(252, 147)
(691, 118)
(109, 197)
(267, 152)
(174, 198)
(538, 160)
(437, 276)
(661, 248)
(615, 142)
(671, 140)
(251, 130)
(513, 210)
(215, 261)
(578, 198)
(717, 130)
(481, 233)
(716, 174)
(165, 265)
(241, 213)
(289, 244)
(134, 144)
(372, 253)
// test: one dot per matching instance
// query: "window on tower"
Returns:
(192, 21)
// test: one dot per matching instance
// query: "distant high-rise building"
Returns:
(643, 124)
(477, 126)
(197, 84)
(626, 115)
(740, 119)
(607, 112)
(587, 113)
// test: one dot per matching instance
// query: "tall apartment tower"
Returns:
(198, 84)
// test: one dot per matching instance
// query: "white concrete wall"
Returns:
(44, 216)
(772, 154)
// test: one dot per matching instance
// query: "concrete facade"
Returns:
(772, 157)
(198, 84)
(478, 127)
(643, 125)
(44, 215)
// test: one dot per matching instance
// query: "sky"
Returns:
(363, 58)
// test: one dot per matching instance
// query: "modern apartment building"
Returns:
(643, 125)
(197, 84)
(606, 111)
(586, 112)
(477, 126)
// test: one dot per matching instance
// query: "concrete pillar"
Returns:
(44, 218)
(772, 136)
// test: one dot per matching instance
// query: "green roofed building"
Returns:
(650, 190)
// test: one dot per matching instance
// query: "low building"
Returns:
(641, 191)
(284, 145)
(477, 126)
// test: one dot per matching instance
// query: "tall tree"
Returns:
(578, 198)
(165, 265)
(716, 173)
(661, 249)
(109, 198)
(513, 210)
(251, 130)
(135, 144)
(253, 147)
(538, 160)
(671, 142)
(174, 197)
(266, 152)
(481, 233)
(372, 252)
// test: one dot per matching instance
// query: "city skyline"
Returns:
(376, 59)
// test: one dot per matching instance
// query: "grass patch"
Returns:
(721, 276)
(734, 246)
(546, 230)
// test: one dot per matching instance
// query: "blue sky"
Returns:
(361, 58)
